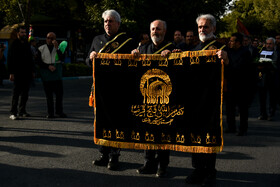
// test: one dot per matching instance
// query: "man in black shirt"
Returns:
(239, 75)
(112, 41)
(157, 46)
(204, 163)
(22, 70)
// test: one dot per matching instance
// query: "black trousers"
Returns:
(162, 158)
(269, 91)
(204, 161)
(20, 90)
(233, 99)
(109, 152)
(54, 87)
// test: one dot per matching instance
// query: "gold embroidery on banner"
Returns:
(115, 45)
(107, 135)
(208, 59)
(146, 62)
(157, 114)
(117, 62)
(195, 140)
(214, 58)
(149, 138)
(163, 63)
(105, 62)
(209, 141)
(132, 63)
(135, 136)
(156, 87)
(165, 138)
(178, 62)
(119, 135)
(180, 139)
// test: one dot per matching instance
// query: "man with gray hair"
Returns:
(204, 163)
(156, 161)
(268, 69)
(112, 41)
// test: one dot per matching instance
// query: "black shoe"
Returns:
(62, 115)
(102, 161)
(210, 178)
(262, 117)
(270, 118)
(24, 114)
(196, 177)
(147, 169)
(113, 164)
(49, 116)
(161, 172)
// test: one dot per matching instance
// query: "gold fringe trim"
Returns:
(181, 148)
(157, 56)
(173, 147)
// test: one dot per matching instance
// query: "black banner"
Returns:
(153, 102)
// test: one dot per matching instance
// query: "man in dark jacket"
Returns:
(158, 46)
(239, 75)
(204, 163)
(21, 68)
(112, 41)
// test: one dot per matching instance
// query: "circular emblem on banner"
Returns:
(155, 86)
(115, 45)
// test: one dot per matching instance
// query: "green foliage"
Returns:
(10, 12)
(137, 14)
(261, 17)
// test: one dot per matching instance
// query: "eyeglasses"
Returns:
(50, 38)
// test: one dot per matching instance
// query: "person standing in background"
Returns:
(22, 70)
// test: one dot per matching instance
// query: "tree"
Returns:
(137, 14)
(261, 17)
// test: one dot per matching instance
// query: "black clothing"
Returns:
(239, 76)
(21, 64)
(53, 84)
(100, 41)
(203, 161)
(150, 48)
(269, 83)
(50, 88)
(2, 69)
(110, 44)
(162, 159)
(186, 47)
(20, 61)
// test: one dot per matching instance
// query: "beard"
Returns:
(156, 38)
(204, 37)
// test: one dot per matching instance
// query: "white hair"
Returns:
(271, 38)
(112, 13)
(208, 17)
(164, 23)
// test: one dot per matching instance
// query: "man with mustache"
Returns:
(112, 41)
(204, 163)
(157, 46)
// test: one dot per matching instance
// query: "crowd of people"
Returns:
(249, 68)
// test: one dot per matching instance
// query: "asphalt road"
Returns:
(36, 151)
